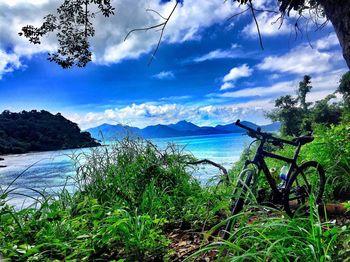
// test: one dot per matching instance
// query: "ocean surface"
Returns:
(53, 170)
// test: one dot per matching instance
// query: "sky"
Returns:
(209, 70)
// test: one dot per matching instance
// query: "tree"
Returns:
(325, 112)
(344, 86)
(304, 88)
(344, 89)
(297, 116)
(73, 25)
(289, 114)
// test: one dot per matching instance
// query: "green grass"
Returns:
(130, 196)
(259, 235)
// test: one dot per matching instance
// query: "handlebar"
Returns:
(263, 135)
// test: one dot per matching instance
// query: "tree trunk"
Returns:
(338, 12)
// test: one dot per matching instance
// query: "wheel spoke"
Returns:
(306, 181)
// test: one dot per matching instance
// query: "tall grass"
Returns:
(270, 235)
(127, 197)
(130, 195)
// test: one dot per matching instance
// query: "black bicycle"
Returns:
(300, 183)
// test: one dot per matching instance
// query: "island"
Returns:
(33, 131)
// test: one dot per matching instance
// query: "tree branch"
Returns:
(207, 161)
(161, 27)
(256, 23)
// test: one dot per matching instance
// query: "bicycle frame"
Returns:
(259, 161)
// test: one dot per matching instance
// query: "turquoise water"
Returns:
(51, 171)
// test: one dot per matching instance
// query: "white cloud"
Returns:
(186, 24)
(233, 52)
(323, 85)
(269, 25)
(8, 62)
(265, 91)
(327, 42)
(302, 60)
(108, 45)
(238, 72)
(164, 75)
(142, 115)
(226, 85)
(215, 54)
(23, 2)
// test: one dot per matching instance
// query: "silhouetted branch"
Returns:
(256, 23)
(154, 11)
(237, 14)
(161, 27)
(207, 161)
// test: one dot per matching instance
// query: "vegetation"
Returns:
(298, 116)
(129, 197)
(39, 131)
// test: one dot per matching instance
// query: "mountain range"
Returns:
(182, 128)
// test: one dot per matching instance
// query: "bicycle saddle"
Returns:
(302, 140)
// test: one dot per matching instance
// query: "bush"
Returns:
(127, 197)
(331, 148)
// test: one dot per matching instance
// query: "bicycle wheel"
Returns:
(242, 188)
(307, 180)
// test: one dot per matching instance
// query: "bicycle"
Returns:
(301, 181)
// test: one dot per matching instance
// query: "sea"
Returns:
(25, 175)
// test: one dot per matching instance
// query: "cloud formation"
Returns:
(233, 52)
(108, 45)
(8, 63)
(234, 74)
(164, 75)
(142, 115)
(269, 25)
(303, 60)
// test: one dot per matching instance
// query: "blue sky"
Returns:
(208, 70)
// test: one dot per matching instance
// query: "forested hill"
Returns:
(39, 131)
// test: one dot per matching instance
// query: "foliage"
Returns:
(74, 27)
(39, 131)
(326, 113)
(273, 237)
(298, 116)
(344, 89)
(344, 86)
(127, 197)
(304, 88)
(289, 114)
(331, 149)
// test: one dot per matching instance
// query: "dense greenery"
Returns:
(298, 116)
(39, 131)
(131, 195)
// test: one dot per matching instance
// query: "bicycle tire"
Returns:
(296, 193)
(241, 190)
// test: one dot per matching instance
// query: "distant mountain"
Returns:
(108, 132)
(182, 128)
(160, 131)
(232, 128)
(274, 127)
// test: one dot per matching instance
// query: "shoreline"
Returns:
(43, 151)
(2, 159)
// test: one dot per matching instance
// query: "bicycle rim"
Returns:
(305, 188)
